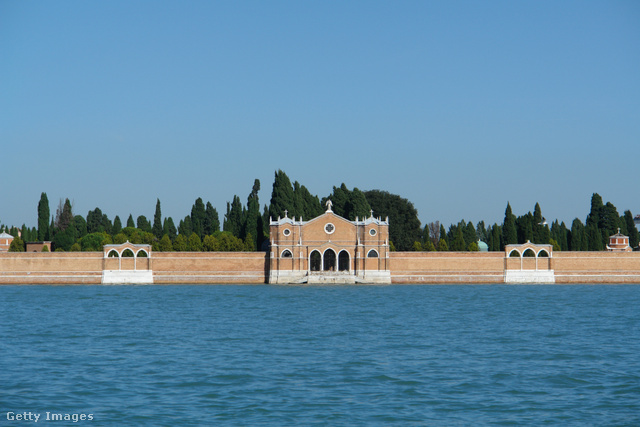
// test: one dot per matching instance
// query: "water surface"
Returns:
(326, 355)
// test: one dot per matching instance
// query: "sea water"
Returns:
(326, 355)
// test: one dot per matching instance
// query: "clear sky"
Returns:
(458, 106)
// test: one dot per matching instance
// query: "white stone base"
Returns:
(529, 276)
(327, 277)
(127, 277)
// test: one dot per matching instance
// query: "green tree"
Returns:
(442, 246)
(281, 196)
(577, 236)
(458, 244)
(404, 225)
(252, 222)
(428, 246)
(117, 225)
(17, 245)
(509, 232)
(157, 221)
(143, 224)
(180, 243)
(80, 225)
(194, 244)
(169, 228)
(43, 218)
(233, 217)
(198, 217)
(632, 230)
(130, 222)
(165, 244)
(211, 220)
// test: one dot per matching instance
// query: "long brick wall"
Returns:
(252, 267)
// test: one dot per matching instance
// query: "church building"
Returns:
(329, 249)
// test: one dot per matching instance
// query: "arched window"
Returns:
(543, 253)
(514, 254)
(142, 254)
(329, 263)
(315, 261)
(287, 254)
(529, 253)
(127, 253)
(343, 261)
(372, 254)
(113, 254)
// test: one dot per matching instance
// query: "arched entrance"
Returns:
(343, 261)
(329, 263)
(315, 261)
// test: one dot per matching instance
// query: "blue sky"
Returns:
(457, 106)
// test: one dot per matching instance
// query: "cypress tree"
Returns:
(253, 225)
(130, 222)
(117, 225)
(233, 218)
(198, 215)
(509, 232)
(281, 196)
(43, 218)
(169, 228)
(211, 220)
(577, 230)
(143, 224)
(157, 221)
(632, 230)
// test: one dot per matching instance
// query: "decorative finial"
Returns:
(371, 211)
(329, 205)
(285, 213)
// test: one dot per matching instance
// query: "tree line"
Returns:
(245, 226)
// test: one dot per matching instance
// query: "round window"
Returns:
(286, 232)
(373, 232)
(329, 228)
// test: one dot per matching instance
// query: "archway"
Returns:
(343, 261)
(329, 262)
(315, 261)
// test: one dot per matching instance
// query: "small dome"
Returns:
(482, 246)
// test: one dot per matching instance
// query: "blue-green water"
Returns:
(344, 355)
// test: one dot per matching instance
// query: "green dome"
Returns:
(482, 246)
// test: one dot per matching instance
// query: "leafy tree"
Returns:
(404, 225)
(75, 247)
(194, 244)
(442, 246)
(428, 246)
(95, 242)
(157, 221)
(473, 247)
(130, 222)
(43, 218)
(349, 204)
(80, 225)
(443, 236)
(165, 244)
(417, 247)
(509, 231)
(17, 245)
(469, 233)
(180, 243)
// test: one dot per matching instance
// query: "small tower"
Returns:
(619, 243)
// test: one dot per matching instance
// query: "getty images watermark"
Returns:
(47, 416)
